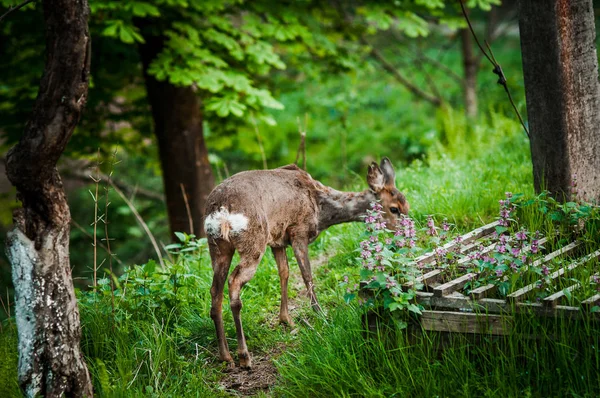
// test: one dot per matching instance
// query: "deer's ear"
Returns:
(388, 172)
(375, 177)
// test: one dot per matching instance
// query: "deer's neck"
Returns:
(336, 207)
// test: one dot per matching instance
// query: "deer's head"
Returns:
(382, 181)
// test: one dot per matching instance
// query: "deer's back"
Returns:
(274, 203)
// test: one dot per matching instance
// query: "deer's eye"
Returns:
(395, 210)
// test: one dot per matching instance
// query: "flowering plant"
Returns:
(386, 259)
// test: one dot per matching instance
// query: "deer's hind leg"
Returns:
(221, 253)
(249, 259)
(284, 273)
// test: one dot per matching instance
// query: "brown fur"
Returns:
(284, 206)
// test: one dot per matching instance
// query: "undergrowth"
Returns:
(158, 338)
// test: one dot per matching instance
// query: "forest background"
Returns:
(402, 79)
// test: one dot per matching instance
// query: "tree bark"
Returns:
(50, 360)
(563, 95)
(184, 158)
(470, 73)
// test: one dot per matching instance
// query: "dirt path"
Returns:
(263, 375)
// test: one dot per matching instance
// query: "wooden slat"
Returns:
(554, 299)
(453, 285)
(462, 304)
(522, 293)
(540, 309)
(456, 322)
(427, 278)
(483, 291)
(486, 250)
(474, 245)
(466, 238)
(591, 302)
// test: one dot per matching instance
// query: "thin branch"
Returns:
(187, 208)
(80, 174)
(440, 65)
(497, 68)
(428, 78)
(385, 64)
(15, 8)
(302, 145)
(260, 145)
(141, 221)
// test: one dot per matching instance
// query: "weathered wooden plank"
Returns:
(456, 322)
(483, 291)
(540, 309)
(591, 302)
(486, 250)
(465, 239)
(522, 293)
(453, 285)
(463, 304)
(474, 244)
(427, 278)
(553, 300)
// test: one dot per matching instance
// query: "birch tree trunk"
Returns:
(50, 361)
(563, 95)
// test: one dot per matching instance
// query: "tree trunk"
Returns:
(50, 360)
(470, 73)
(184, 158)
(561, 84)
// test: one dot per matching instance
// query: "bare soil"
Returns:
(260, 378)
(263, 375)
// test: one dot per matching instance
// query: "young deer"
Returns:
(255, 209)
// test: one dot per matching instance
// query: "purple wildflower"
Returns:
(545, 270)
(445, 225)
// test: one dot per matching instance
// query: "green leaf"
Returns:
(150, 267)
(181, 236)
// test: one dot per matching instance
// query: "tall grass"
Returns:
(542, 357)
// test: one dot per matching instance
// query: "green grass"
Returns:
(159, 342)
(9, 386)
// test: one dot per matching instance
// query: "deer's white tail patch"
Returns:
(222, 223)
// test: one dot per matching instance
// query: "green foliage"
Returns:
(9, 386)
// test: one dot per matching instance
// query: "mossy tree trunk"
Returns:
(50, 361)
(560, 68)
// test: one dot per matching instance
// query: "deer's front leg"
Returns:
(284, 273)
(300, 246)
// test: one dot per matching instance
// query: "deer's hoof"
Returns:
(286, 321)
(245, 361)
